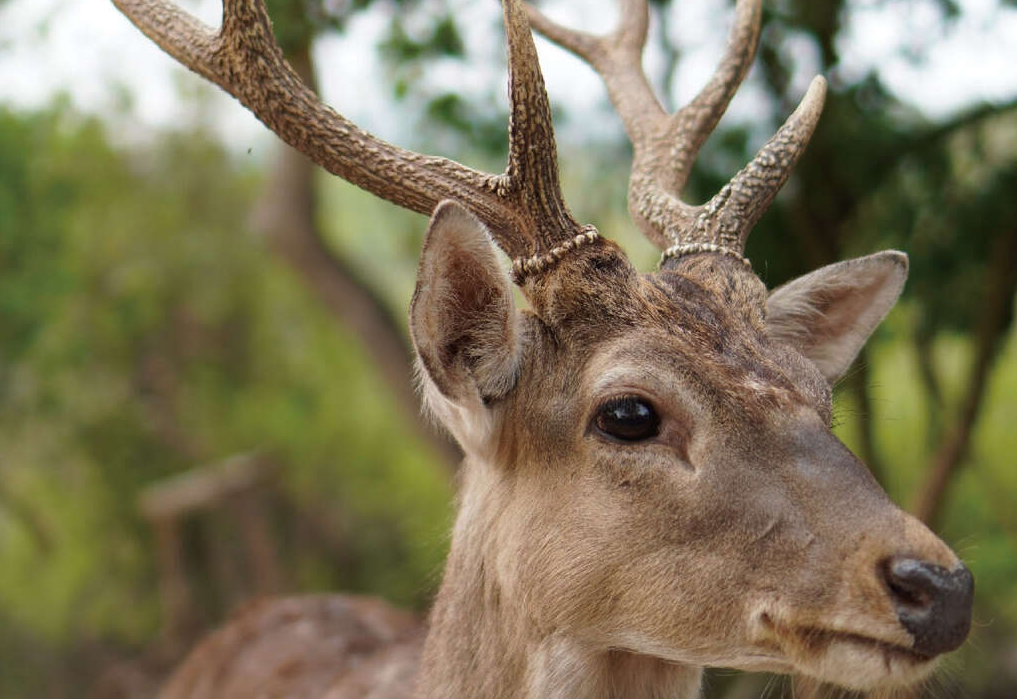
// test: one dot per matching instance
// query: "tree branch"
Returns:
(930, 382)
(892, 157)
(998, 307)
(947, 128)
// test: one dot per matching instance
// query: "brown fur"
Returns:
(740, 536)
(743, 535)
(305, 648)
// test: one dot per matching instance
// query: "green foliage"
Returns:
(442, 40)
(31, 281)
(408, 54)
(296, 22)
(147, 331)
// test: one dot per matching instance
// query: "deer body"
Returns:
(651, 485)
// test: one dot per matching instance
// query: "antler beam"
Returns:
(665, 145)
(523, 208)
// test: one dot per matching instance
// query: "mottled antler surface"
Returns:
(665, 145)
(523, 208)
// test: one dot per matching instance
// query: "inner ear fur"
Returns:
(462, 318)
(828, 314)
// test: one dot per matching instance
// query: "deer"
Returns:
(650, 484)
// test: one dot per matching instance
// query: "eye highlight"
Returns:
(628, 418)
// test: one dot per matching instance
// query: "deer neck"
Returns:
(481, 644)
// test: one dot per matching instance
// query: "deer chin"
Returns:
(853, 660)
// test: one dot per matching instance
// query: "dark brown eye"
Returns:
(629, 419)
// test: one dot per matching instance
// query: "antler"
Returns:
(523, 208)
(665, 145)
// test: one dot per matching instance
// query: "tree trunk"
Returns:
(930, 382)
(1001, 285)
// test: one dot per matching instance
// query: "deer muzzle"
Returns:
(932, 603)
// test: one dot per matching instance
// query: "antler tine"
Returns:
(182, 36)
(584, 45)
(730, 215)
(617, 57)
(692, 124)
(727, 219)
(533, 157)
(665, 145)
(633, 24)
(242, 57)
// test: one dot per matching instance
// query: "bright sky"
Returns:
(88, 50)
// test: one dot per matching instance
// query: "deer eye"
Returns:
(629, 419)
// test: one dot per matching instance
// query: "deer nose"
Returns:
(932, 603)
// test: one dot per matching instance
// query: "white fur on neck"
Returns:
(562, 668)
(483, 640)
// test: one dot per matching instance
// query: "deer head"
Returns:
(650, 474)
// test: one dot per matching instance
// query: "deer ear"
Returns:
(827, 315)
(463, 317)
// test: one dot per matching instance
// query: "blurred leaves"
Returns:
(442, 40)
(144, 334)
(451, 111)
(31, 281)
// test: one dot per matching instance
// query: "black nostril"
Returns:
(932, 603)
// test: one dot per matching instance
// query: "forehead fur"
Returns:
(701, 318)
(597, 284)
(730, 281)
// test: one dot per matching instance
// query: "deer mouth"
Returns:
(850, 659)
(819, 640)
(856, 660)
